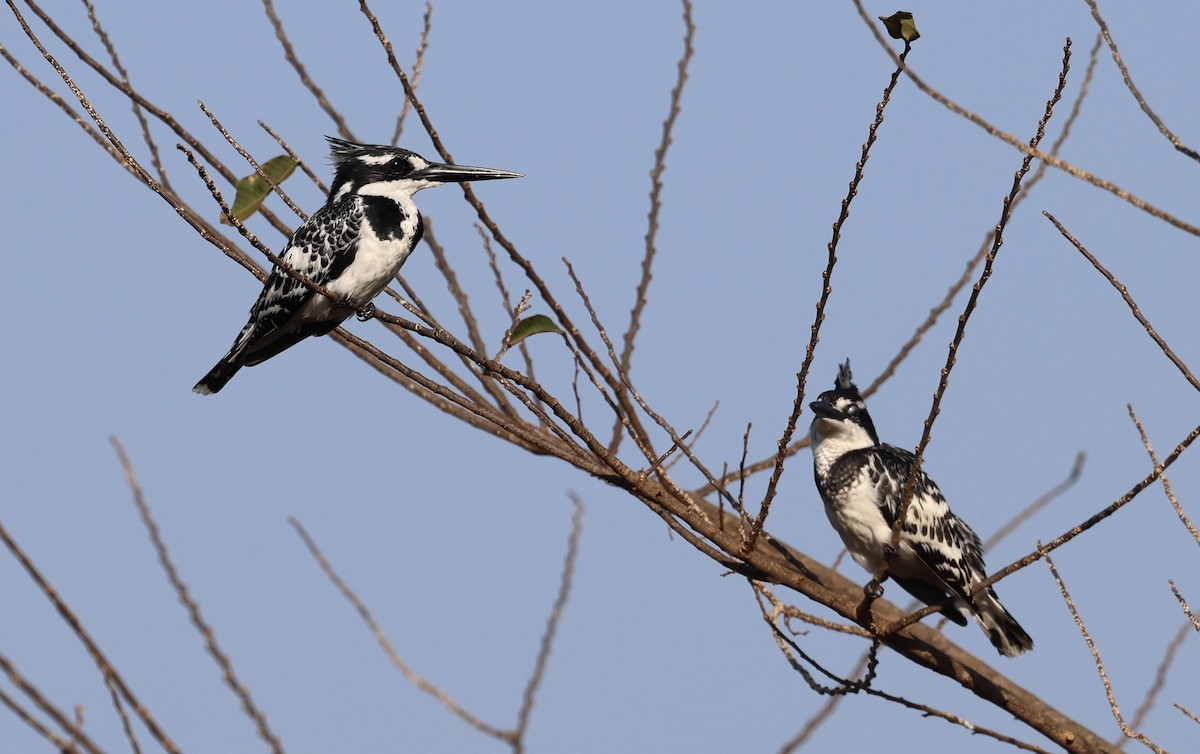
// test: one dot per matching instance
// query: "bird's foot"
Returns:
(366, 312)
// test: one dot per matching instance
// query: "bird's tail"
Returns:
(219, 375)
(1002, 629)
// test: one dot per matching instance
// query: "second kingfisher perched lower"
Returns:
(353, 247)
(861, 481)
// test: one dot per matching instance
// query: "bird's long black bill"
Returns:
(458, 173)
(825, 409)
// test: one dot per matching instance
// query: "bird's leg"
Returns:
(366, 312)
(871, 592)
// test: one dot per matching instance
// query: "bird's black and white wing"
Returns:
(288, 311)
(944, 542)
(947, 547)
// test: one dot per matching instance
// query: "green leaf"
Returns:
(252, 190)
(532, 326)
(900, 25)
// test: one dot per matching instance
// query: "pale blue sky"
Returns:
(455, 539)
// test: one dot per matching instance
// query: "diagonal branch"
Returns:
(656, 184)
(1108, 690)
(193, 608)
(1137, 95)
(1183, 517)
(385, 644)
(785, 440)
(317, 92)
(560, 602)
(952, 354)
(1013, 141)
(138, 113)
(1133, 307)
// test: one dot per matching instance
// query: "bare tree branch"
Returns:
(1183, 517)
(1160, 680)
(1013, 141)
(147, 137)
(560, 602)
(785, 440)
(317, 92)
(193, 608)
(418, 65)
(48, 708)
(1183, 604)
(106, 668)
(1137, 95)
(872, 590)
(1108, 691)
(386, 645)
(1133, 307)
(660, 165)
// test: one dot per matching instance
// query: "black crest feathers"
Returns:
(845, 380)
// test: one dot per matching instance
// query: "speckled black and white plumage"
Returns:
(861, 482)
(353, 247)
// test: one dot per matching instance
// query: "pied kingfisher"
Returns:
(353, 247)
(861, 481)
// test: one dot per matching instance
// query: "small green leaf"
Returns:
(532, 326)
(252, 190)
(900, 25)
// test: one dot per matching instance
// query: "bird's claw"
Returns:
(366, 312)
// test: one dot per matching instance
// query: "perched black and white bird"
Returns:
(861, 481)
(353, 247)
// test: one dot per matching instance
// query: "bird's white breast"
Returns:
(857, 519)
(377, 260)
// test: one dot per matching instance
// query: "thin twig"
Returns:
(1108, 691)
(1099, 183)
(788, 646)
(656, 184)
(138, 113)
(47, 707)
(290, 54)
(1037, 505)
(126, 726)
(560, 602)
(1189, 713)
(791, 651)
(785, 440)
(253, 164)
(1075, 531)
(106, 668)
(386, 645)
(560, 314)
(128, 91)
(70, 112)
(193, 608)
(819, 717)
(1160, 680)
(1137, 95)
(1133, 307)
(873, 588)
(967, 275)
(1013, 141)
(295, 158)
(1183, 604)
(1183, 517)
(418, 64)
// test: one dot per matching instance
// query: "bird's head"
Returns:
(372, 169)
(841, 414)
